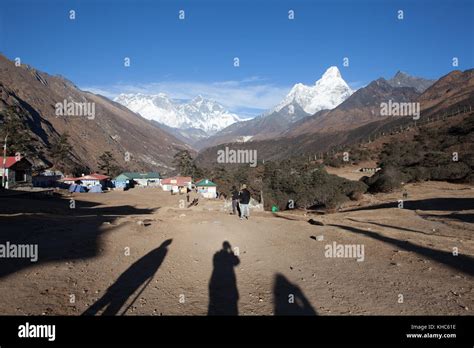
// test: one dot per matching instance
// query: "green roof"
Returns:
(205, 182)
(131, 175)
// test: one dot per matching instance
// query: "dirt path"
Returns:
(138, 252)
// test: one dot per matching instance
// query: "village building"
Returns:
(47, 178)
(89, 180)
(16, 172)
(128, 179)
(177, 184)
(207, 188)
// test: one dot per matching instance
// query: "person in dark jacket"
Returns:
(244, 199)
(235, 200)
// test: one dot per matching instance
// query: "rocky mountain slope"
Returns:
(358, 118)
(402, 79)
(360, 108)
(38, 96)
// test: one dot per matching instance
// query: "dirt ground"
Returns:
(352, 172)
(139, 252)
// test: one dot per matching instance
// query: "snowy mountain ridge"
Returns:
(198, 113)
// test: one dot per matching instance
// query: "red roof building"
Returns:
(177, 180)
(176, 183)
(10, 160)
(16, 171)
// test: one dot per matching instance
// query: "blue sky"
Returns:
(195, 56)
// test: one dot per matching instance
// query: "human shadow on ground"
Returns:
(288, 298)
(223, 292)
(139, 273)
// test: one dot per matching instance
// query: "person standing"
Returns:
(235, 200)
(244, 198)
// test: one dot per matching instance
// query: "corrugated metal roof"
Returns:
(132, 175)
(205, 182)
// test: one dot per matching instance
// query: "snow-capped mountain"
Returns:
(302, 101)
(199, 113)
(157, 107)
(207, 115)
(327, 93)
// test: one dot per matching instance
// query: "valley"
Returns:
(349, 246)
(291, 172)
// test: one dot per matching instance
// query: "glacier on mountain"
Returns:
(327, 93)
(199, 113)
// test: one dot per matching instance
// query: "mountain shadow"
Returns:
(223, 292)
(137, 274)
(461, 263)
(469, 218)
(438, 204)
(59, 232)
(288, 298)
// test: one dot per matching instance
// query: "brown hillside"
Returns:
(114, 128)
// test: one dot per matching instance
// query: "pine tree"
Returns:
(107, 163)
(60, 151)
(184, 163)
(19, 139)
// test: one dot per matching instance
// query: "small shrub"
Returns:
(334, 202)
(452, 172)
(386, 180)
(356, 196)
(334, 162)
(417, 174)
